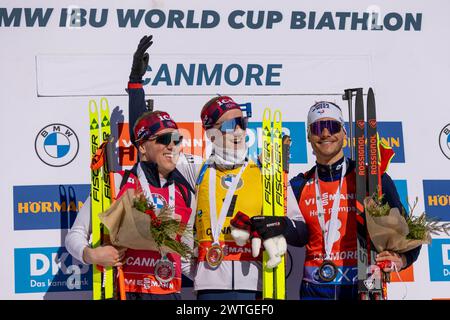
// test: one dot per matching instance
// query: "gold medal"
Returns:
(214, 255)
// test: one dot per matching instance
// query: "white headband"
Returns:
(325, 109)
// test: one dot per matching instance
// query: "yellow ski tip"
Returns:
(277, 115)
(93, 108)
(267, 114)
(104, 105)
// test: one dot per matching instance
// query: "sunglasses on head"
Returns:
(167, 138)
(231, 124)
(332, 126)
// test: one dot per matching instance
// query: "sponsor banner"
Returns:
(50, 269)
(48, 206)
(56, 145)
(196, 143)
(168, 17)
(437, 199)
(391, 134)
(439, 259)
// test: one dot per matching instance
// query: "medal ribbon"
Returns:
(146, 188)
(329, 235)
(148, 195)
(216, 225)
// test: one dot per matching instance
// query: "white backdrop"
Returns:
(50, 69)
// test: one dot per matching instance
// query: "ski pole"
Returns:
(110, 166)
(348, 95)
(286, 140)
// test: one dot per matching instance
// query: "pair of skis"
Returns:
(371, 280)
(274, 159)
(102, 194)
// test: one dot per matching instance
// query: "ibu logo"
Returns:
(50, 269)
(439, 258)
(56, 145)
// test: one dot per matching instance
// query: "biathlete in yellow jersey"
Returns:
(228, 184)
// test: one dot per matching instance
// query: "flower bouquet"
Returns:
(135, 223)
(391, 230)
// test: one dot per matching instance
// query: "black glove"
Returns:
(268, 226)
(140, 59)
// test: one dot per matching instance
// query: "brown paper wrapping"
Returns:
(128, 227)
(388, 233)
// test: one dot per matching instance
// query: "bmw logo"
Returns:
(227, 180)
(159, 200)
(56, 145)
(444, 140)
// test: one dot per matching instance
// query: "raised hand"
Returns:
(140, 59)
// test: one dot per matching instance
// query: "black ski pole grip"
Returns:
(286, 149)
(110, 153)
(150, 104)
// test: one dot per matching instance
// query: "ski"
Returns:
(96, 196)
(273, 196)
(278, 198)
(373, 176)
(267, 175)
(368, 183)
(101, 194)
(374, 187)
(361, 183)
(108, 277)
